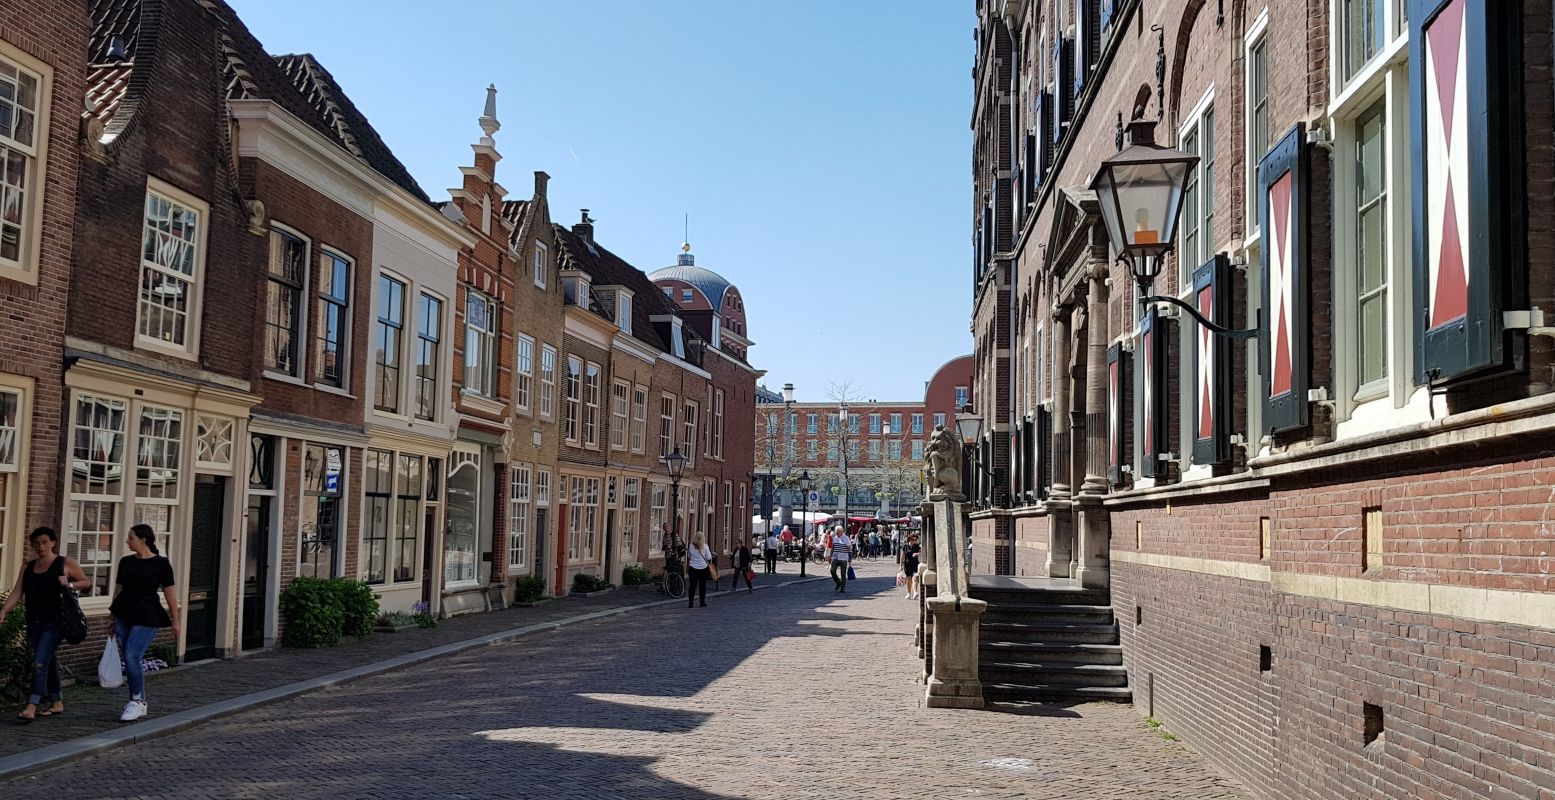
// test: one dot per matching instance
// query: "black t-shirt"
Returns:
(912, 555)
(142, 578)
(43, 592)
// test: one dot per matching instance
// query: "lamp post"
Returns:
(842, 453)
(970, 426)
(675, 463)
(885, 453)
(1140, 193)
(804, 489)
(786, 510)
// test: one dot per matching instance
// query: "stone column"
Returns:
(1074, 380)
(1060, 530)
(1094, 521)
(953, 681)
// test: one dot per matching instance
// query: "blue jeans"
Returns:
(44, 639)
(133, 641)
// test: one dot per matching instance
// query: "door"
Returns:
(612, 573)
(256, 571)
(200, 610)
(540, 533)
(561, 550)
(429, 540)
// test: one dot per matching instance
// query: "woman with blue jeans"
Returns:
(42, 582)
(137, 614)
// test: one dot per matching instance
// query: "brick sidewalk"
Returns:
(796, 693)
(90, 709)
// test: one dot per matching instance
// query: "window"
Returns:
(520, 512)
(525, 370)
(896, 423)
(1198, 198)
(853, 423)
(874, 424)
(407, 515)
(158, 443)
(591, 406)
(10, 435)
(685, 295)
(874, 449)
(963, 396)
(831, 450)
(853, 449)
(618, 415)
(547, 380)
(330, 359)
(480, 344)
(429, 325)
(793, 423)
(170, 265)
(917, 449)
(283, 302)
(1362, 33)
(831, 423)
(896, 449)
(666, 424)
(323, 478)
(728, 510)
(543, 488)
(689, 435)
(464, 518)
(573, 400)
(939, 420)
(717, 424)
(378, 477)
(658, 514)
(98, 433)
(639, 417)
(917, 423)
(741, 516)
(624, 310)
(811, 425)
(629, 517)
(23, 96)
(811, 449)
(386, 342)
(541, 264)
(1257, 118)
(1371, 242)
(574, 518)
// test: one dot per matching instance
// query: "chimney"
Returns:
(542, 180)
(585, 228)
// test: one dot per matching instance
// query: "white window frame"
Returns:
(668, 440)
(1193, 126)
(631, 514)
(541, 265)
(620, 408)
(190, 349)
(572, 400)
(691, 417)
(1256, 35)
(401, 396)
(717, 425)
(624, 310)
(487, 339)
(639, 417)
(593, 375)
(658, 516)
(326, 252)
(1393, 401)
(439, 388)
(548, 357)
(520, 517)
(24, 269)
(523, 372)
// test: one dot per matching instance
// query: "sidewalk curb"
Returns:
(31, 761)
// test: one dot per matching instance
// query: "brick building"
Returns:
(40, 70)
(816, 441)
(1326, 542)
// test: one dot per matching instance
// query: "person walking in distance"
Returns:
(770, 553)
(42, 582)
(740, 564)
(840, 547)
(137, 614)
(698, 559)
(910, 564)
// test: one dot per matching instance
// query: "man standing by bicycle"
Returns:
(840, 550)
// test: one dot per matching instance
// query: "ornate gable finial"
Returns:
(488, 120)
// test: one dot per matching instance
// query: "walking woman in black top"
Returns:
(137, 614)
(42, 582)
(741, 564)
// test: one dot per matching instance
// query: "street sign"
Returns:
(815, 497)
(331, 470)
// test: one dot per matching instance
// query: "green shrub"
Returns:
(312, 612)
(15, 655)
(358, 605)
(583, 582)
(395, 619)
(528, 589)
(634, 575)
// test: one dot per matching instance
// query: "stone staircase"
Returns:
(1046, 639)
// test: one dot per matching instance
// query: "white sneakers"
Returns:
(133, 710)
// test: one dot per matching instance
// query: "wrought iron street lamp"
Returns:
(790, 428)
(969, 426)
(804, 491)
(1140, 192)
(842, 452)
(676, 464)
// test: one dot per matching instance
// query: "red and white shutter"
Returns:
(1283, 340)
(1465, 104)
(1117, 417)
(1212, 364)
(1154, 334)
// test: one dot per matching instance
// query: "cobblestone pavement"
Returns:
(793, 693)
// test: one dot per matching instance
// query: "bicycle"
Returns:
(674, 579)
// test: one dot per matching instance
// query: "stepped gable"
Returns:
(608, 269)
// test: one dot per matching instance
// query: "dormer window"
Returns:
(685, 295)
(717, 328)
(677, 340)
(575, 287)
(624, 310)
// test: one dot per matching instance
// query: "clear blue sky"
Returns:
(821, 147)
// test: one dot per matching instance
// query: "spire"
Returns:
(685, 259)
(488, 119)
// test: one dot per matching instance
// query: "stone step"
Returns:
(1091, 597)
(1056, 674)
(1043, 632)
(1055, 612)
(1047, 652)
(1013, 693)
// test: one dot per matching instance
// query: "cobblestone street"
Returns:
(793, 693)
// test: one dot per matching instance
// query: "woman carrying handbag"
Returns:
(44, 582)
(699, 568)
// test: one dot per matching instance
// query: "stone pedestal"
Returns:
(954, 682)
(1093, 568)
(1060, 539)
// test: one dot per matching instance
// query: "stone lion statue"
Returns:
(942, 462)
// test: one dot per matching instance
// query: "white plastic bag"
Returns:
(110, 673)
